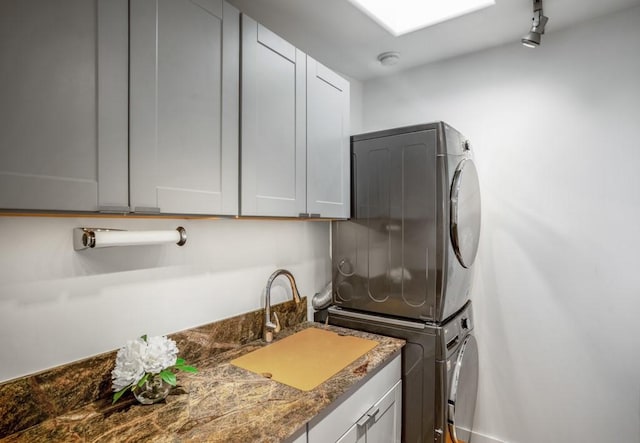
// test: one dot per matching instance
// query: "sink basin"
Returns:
(307, 358)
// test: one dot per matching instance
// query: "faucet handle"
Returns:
(277, 321)
(271, 328)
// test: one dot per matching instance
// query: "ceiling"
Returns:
(342, 37)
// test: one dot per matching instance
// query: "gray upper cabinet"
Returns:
(294, 131)
(136, 106)
(63, 112)
(328, 160)
(273, 124)
(184, 80)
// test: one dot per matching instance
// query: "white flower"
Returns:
(129, 367)
(161, 352)
(138, 357)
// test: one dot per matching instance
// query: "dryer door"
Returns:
(463, 389)
(465, 212)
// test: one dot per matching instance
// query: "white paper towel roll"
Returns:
(100, 238)
(131, 238)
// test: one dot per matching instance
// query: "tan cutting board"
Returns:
(306, 358)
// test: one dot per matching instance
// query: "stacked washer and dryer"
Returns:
(403, 267)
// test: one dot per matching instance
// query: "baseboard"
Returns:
(480, 438)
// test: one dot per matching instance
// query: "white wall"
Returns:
(557, 293)
(58, 305)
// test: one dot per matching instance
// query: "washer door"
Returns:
(463, 390)
(465, 212)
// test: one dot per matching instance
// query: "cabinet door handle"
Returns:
(363, 421)
(368, 416)
(114, 209)
(146, 210)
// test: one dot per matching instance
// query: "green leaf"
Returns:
(119, 394)
(186, 368)
(169, 377)
(143, 380)
(144, 337)
(180, 361)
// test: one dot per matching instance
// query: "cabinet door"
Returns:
(381, 423)
(328, 159)
(184, 106)
(385, 418)
(63, 112)
(355, 434)
(273, 124)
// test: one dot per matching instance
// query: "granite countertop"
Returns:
(221, 403)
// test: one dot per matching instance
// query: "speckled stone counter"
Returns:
(221, 403)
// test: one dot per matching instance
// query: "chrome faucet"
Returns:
(271, 327)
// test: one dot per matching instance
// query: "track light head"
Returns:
(532, 39)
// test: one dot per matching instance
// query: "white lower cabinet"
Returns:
(381, 423)
(373, 413)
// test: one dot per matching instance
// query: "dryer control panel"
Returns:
(456, 329)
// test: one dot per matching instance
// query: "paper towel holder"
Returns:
(90, 238)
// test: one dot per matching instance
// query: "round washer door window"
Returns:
(463, 391)
(465, 212)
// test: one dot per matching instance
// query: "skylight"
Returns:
(404, 16)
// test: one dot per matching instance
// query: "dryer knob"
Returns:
(464, 322)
